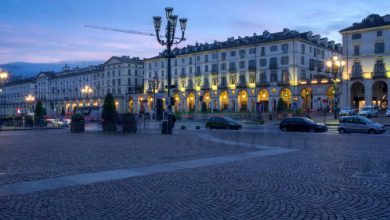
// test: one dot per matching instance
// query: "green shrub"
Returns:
(77, 117)
(109, 114)
(39, 113)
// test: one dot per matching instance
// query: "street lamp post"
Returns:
(3, 78)
(169, 41)
(335, 68)
(154, 83)
(30, 99)
(87, 90)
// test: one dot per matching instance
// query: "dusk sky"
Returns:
(53, 30)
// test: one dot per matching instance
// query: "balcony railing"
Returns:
(206, 85)
(263, 84)
(283, 83)
(273, 66)
(222, 86)
(232, 70)
(252, 69)
(379, 71)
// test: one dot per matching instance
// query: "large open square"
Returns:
(194, 174)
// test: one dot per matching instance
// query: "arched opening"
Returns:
(207, 100)
(191, 102)
(243, 100)
(307, 97)
(357, 95)
(286, 94)
(224, 100)
(141, 104)
(131, 104)
(379, 94)
(330, 94)
(176, 97)
(263, 99)
(150, 103)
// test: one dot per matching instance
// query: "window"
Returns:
(356, 50)
(136, 72)
(302, 60)
(252, 51)
(223, 56)
(273, 62)
(242, 54)
(214, 68)
(285, 76)
(274, 48)
(162, 73)
(263, 77)
(190, 60)
(284, 48)
(274, 76)
(242, 64)
(190, 70)
(356, 36)
(233, 53)
(252, 64)
(379, 48)
(303, 47)
(119, 81)
(198, 69)
(262, 51)
(303, 74)
(183, 60)
(284, 60)
(206, 68)
(232, 79)
(223, 66)
(215, 56)
(175, 73)
(162, 63)
(263, 62)
(198, 58)
(379, 33)
(206, 58)
(232, 66)
(129, 72)
(252, 78)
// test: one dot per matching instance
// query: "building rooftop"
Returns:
(370, 21)
(266, 37)
(20, 82)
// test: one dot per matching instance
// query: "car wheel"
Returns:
(371, 131)
(342, 131)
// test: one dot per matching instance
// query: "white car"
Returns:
(369, 111)
(388, 112)
(347, 111)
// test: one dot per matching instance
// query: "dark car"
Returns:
(222, 123)
(301, 124)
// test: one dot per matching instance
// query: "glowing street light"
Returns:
(334, 69)
(87, 90)
(30, 99)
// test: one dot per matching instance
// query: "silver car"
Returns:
(369, 111)
(359, 124)
(346, 111)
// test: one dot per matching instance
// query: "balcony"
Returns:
(356, 75)
(283, 83)
(190, 86)
(263, 84)
(252, 69)
(232, 70)
(273, 66)
(197, 73)
(222, 85)
(241, 82)
(379, 71)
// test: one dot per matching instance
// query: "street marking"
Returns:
(26, 187)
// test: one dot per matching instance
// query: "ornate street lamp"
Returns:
(154, 83)
(30, 99)
(334, 69)
(169, 41)
(87, 90)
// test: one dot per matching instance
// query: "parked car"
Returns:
(388, 112)
(222, 123)
(346, 111)
(359, 124)
(56, 122)
(369, 111)
(301, 124)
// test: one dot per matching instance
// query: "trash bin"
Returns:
(164, 127)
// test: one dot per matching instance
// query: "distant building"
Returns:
(13, 95)
(366, 78)
(246, 73)
(62, 92)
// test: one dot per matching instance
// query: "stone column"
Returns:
(368, 92)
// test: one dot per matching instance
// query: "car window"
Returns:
(359, 121)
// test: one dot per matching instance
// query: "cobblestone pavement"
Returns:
(329, 177)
